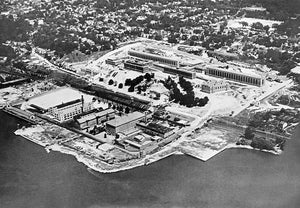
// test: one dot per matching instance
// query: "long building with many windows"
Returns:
(154, 57)
(180, 72)
(236, 76)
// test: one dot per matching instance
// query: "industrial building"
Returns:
(137, 65)
(114, 62)
(90, 120)
(63, 103)
(180, 72)
(224, 72)
(124, 124)
(213, 86)
(154, 57)
(142, 144)
(156, 129)
(66, 111)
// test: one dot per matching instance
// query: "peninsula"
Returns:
(120, 104)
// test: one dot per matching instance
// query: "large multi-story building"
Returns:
(90, 120)
(154, 57)
(66, 111)
(136, 65)
(180, 72)
(62, 103)
(224, 72)
(124, 124)
(213, 86)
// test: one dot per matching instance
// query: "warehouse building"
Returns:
(125, 123)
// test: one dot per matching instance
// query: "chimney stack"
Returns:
(82, 103)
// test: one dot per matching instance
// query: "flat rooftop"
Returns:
(158, 128)
(57, 97)
(118, 121)
(94, 115)
(234, 69)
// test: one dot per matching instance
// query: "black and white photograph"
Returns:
(149, 103)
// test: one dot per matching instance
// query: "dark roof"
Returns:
(68, 103)
(157, 128)
(38, 107)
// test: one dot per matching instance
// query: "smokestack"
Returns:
(82, 103)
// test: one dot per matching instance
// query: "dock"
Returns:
(24, 115)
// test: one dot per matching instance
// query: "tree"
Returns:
(172, 39)
(148, 77)
(249, 133)
(131, 89)
(120, 86)
(158, 37)
(127, 110)
(266, 28)
(262, 143)
(257, 25)
(128, 82)
(110, 82)
(139, 88)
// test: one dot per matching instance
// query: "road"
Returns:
(264, 96)
(224, 124)
(53, 66)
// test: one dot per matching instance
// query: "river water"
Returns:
(32, 178)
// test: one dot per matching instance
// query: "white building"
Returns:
(63, 103)
(66, 111)
(213, 86)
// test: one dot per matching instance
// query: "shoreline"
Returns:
(235, 146)
(98, 166)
